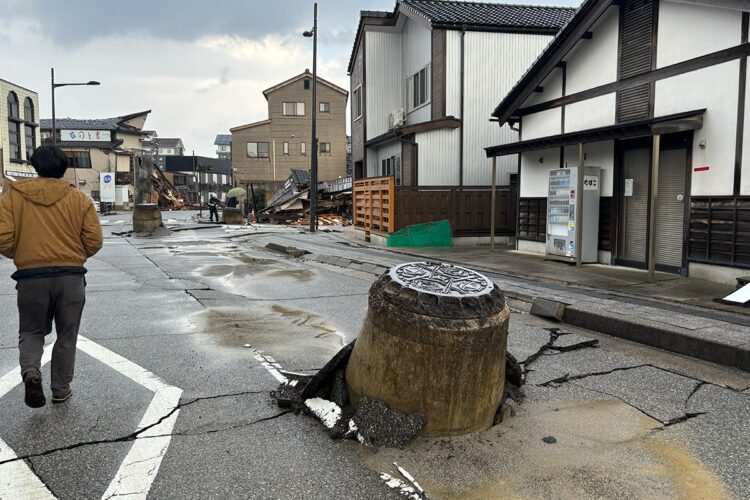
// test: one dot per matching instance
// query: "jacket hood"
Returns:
(43, 191)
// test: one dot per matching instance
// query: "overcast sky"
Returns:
(199, 65)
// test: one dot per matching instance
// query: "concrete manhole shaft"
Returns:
(433, 342)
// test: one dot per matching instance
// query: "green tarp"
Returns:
(432, 234)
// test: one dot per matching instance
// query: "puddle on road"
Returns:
(604, 449)
(275, 328)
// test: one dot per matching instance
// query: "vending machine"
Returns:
(562, 219)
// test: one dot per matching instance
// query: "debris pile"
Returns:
(324, 220)
(291, 203)
(164, 193)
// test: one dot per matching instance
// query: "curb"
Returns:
(723, 351)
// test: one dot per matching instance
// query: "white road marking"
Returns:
(141, 465)
(16, 478)
(271, 365)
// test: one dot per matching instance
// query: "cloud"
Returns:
(195, 88)
(73, 22)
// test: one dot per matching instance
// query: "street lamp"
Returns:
(314, 158)
(54, 86)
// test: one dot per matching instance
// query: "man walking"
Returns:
(49, 228)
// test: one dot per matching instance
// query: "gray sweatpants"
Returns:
(41, 300)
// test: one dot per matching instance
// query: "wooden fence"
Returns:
(466, 207)
(374, 204)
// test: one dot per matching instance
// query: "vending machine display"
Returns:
(562, 220)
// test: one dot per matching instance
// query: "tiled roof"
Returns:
(114, 123)
(223, 140)
(164, 142)
(441, 12)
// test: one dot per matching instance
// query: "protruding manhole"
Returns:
(434, 343)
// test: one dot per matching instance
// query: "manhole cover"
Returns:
(441, 279)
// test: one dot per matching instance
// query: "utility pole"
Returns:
(314, 157)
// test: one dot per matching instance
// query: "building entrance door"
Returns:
(670, 210)
(636, 165)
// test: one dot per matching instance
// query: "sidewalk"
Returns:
(673, 313)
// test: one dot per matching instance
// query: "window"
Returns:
(14, 127)
(78, 159)
(293, 108)
(286, 148)
(325, 147)
(302, 148)
(325, 107)
(418, 87)
(307, 84)
(28, 116)
(391, 166)
(257, 150)
(357, 103)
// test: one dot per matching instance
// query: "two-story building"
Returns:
(263, 153)
(424, 79)
(159, 148)
(19, 131)
(223, 143)
(94, 146)
(653, 92)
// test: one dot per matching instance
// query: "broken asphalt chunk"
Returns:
(379, 425)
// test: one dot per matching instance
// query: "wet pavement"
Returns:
(173, 370)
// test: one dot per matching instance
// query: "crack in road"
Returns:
(136, 435)
(554, 334)
(568, 378)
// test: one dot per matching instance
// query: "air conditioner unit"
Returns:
(396, 119)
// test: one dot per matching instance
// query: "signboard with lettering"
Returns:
(85, 135)
(107, 187)
(590, 183)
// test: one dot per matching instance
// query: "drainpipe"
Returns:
(461, 139)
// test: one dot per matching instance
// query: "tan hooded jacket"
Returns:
(47, 222)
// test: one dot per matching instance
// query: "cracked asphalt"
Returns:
(629, 421)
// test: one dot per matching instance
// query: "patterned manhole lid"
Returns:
(441, 279)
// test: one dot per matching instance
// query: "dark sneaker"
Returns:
(61, 398)
(34, 393)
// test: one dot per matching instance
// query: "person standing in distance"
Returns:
(49, 228)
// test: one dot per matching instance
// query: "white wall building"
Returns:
(424, 78)
(624, 78)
